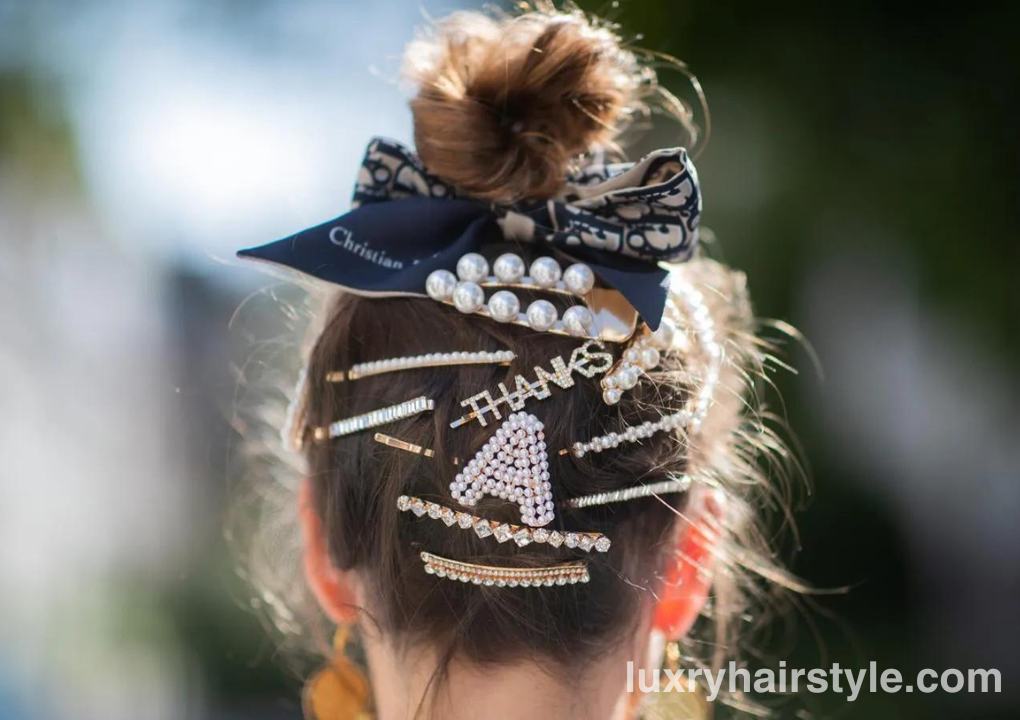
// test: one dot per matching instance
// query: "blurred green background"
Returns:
(862, 170)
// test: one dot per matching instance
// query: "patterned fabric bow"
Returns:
(405, 222)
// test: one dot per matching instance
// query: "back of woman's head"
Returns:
(506, 106)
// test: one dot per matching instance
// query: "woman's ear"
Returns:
(333, 589)
(684, 593)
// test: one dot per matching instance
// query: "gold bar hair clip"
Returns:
(564, 574)
(429, 360)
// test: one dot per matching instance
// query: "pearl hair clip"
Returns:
(503, 532)
(564, 574)
(375, 418)
(694, 414)
(429, 360)
(602, 316)
(674, 485)
(512, 465)
(645, 351)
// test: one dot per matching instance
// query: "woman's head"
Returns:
(504, 107)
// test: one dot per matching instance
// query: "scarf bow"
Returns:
(620, 219)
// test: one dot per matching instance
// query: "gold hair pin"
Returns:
(564, 574)
(407, 446)
(503, 532)
(414, 362)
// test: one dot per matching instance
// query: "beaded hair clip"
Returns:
(602, 314)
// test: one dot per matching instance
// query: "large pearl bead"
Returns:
(472, 267)
(508, 268)
(545, 271)
(542, 315)
(663, 337)
(468, 297)
(578, 321)
(650, 358)
(440, 284)
(579, 279)
(627, 377)
(504, 306)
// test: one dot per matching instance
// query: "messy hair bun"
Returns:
(504, 104)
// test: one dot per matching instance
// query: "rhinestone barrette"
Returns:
(564, 574)
(503, 532)
(676, 485)
(512, 465)
(375, 418)
(429, 360)
(465, 291)
(588, 360)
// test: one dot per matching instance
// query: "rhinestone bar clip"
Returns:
(586, 541)
(375, 418)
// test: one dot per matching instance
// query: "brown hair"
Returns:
(504, 104)
(521, 97)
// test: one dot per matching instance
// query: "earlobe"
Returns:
(333, 589)
(685, 591)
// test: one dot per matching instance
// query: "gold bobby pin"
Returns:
(403, 445)
(563, 574)
(428, 360)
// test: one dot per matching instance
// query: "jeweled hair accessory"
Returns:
(564, 574)
(597, 317)
(619, 220)
(429, 360)
(512, 465)
(503, 532)
(375, 418)
(664, 487)
(588, 360)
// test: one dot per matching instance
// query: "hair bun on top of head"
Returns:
(503, 105)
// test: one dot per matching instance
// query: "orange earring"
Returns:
(687, 584)
(339, 691)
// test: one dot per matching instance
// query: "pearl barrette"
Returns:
(375, 418)
(564, 574)
(429, 360)
(504, 532)
(465, 292)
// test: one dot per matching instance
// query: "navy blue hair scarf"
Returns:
(621, 220)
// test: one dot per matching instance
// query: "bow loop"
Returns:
(405, 222)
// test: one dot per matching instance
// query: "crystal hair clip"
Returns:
(602, 316)
(631, 434)
(588, 360)
(564, 574)
(429, 360)
(503, 532)
(375, 418)
(675, 485)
